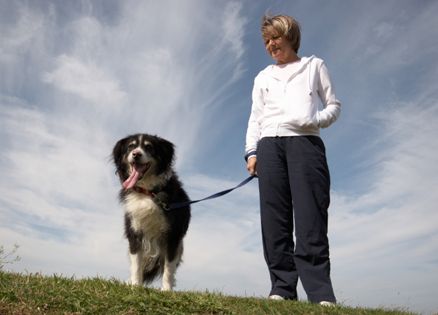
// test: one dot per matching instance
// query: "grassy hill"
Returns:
(37, 294)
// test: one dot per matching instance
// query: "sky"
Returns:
(76, 76)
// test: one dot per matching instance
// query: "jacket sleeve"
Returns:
(326, 92)
(253, 131)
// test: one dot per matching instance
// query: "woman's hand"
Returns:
(251, 165)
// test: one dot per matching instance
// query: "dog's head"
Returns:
(141, 155)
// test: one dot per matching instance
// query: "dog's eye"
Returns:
(148, 147)
(131, 146)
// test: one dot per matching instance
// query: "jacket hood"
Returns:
(305, 61)
(305, 65)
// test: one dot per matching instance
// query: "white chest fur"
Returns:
(146, 216)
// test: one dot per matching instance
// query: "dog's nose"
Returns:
(136, 154)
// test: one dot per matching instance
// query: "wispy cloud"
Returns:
(19, 37)
(80, 94)
(85, 80)
(375, 232)
(75, 81)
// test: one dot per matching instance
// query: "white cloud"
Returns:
(170, 72)
(233, 27)
(385, 39)
(58, 189)
(85, 80)
(23, 35)
(215, 256)
(376, 232)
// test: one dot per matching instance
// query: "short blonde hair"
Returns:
(282, 25)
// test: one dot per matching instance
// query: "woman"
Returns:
(284, 149)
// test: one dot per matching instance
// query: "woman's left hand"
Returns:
(251, 165)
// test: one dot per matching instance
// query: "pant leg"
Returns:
(310, 187)
(276, 216)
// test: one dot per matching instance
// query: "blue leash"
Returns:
(177, 205)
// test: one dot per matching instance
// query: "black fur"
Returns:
(169, 191)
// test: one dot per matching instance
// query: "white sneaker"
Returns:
(276, 297)
(327, 303)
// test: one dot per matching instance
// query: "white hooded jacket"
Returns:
(291, 107)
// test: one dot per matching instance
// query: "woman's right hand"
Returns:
(251, 165)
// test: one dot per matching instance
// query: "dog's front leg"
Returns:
(136, 268)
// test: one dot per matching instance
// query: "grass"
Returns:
(37, 294)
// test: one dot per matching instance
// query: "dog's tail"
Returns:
(150, 274)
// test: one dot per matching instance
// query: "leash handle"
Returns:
(177, 205)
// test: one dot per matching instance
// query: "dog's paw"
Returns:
(166, 288)
(133, 282)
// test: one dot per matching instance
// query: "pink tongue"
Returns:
(132, 180)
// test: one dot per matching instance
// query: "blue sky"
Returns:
(77, 76)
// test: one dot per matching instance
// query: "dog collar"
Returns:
(153, 195)
(141, 190)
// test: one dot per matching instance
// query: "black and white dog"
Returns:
(144, 165)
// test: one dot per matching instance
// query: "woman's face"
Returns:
(280, 49)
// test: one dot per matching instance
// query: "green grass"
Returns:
(37, 294)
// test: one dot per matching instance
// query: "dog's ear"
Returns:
(118, 153)
(165, 153)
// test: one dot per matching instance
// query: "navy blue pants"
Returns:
(294, 184)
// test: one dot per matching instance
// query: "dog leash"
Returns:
(177, 205)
